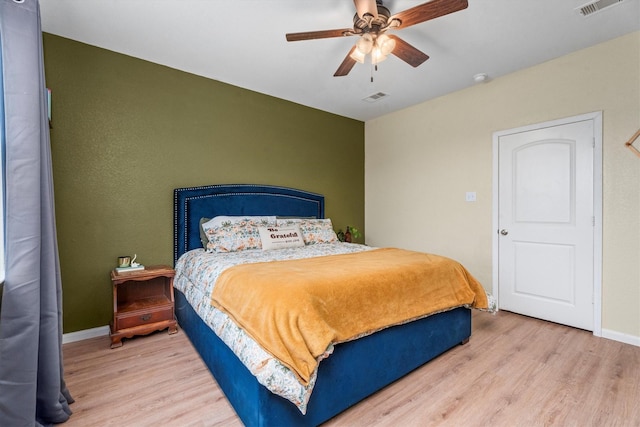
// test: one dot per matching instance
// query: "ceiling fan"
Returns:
(371, 22)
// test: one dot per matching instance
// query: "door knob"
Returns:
(504, 232)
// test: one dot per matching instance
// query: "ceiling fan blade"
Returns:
(346, 65)
(366, 6)
(431, 10)
(408, 53)
(324, 34)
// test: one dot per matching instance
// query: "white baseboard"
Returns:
(85, 334)
(619, 336)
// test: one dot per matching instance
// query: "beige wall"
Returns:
(419, 163)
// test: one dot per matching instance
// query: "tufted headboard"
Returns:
(192, 203)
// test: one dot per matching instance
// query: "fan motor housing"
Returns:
(368, 23)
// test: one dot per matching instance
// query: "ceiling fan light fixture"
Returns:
(386, 44)
(365, 43)
(377, 56)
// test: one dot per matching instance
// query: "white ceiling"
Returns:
(242, 42)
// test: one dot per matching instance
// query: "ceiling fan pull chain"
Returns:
(374, 67)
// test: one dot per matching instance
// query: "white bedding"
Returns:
(196, 274)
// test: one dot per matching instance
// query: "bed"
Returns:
(348, 373)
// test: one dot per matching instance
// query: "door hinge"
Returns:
(593, 221)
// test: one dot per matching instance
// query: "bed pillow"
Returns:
(235, 233)
(314, 231)
(280, 237)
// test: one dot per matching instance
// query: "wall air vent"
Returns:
(375, 97)
(596, 6)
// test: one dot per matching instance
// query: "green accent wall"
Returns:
(126, 132)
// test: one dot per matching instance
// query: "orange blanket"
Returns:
(295, 309)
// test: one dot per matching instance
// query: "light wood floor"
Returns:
(515, 371)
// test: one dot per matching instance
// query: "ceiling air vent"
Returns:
(596, 6)
(375, 97)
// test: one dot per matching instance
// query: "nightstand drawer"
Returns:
(131, 320)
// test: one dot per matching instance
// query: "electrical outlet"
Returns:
(470, 196)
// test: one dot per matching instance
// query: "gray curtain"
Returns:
(32, 388)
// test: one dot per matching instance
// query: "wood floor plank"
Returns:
(515, 371)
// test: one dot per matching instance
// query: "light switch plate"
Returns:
(470, 196)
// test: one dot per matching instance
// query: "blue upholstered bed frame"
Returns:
(354, 371)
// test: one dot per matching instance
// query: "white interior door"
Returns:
(546, 220)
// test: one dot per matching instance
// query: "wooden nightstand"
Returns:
(142, 303)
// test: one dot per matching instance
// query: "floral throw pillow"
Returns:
(233, 234)
(314, 231)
